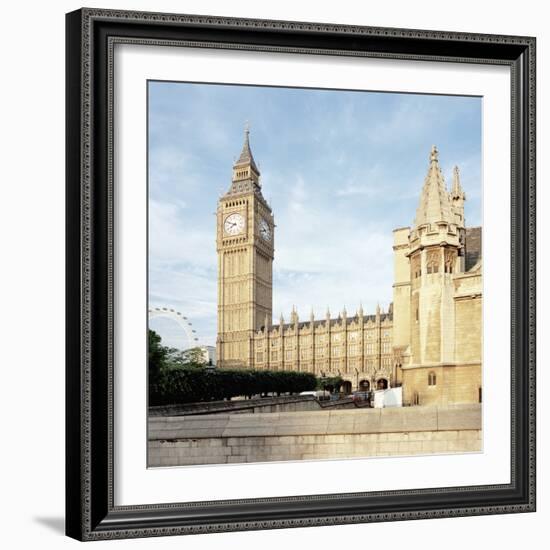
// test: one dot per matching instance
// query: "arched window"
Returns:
(416, 398)
(431, 379)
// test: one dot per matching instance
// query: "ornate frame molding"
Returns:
(91, 36)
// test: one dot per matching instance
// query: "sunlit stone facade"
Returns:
(430, 338)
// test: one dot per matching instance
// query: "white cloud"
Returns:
(340, 171)
(173, 238)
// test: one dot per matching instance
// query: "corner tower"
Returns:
(435, 249)
(245, 247)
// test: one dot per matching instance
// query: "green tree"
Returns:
(189, 358)
(330, 383)
(157, 356)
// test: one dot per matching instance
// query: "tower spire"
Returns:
(457, 198)
(434, 205)
(456, 191)
(246, 158)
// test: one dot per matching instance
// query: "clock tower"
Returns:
(244, 243)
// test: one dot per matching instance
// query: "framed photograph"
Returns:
(300, 274)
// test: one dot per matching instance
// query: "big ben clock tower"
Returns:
(244, 242)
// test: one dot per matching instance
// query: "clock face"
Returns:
(234, 224)
(265, 230)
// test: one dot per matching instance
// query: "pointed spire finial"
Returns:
(434, 154)
(457, 191)
(246, 157)
(434, 204)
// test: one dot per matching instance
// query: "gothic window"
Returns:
(416, 398)
(431, 379)
(274, 356)
(260, 357)
(416, 267)
(449, 261)
(433, 261)
(288, 354)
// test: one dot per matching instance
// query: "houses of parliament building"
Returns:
(429, 340)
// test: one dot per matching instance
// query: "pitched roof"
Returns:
(246, 158)
(434, 204)
(472, 247)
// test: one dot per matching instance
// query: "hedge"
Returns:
(188, 385)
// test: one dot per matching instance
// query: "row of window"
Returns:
(232, 204)
(306, 355)
(321, 339)
(432, 269)
(241, 173)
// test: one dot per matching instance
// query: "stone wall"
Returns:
(453, 384)
(287, 403)
(234, 438)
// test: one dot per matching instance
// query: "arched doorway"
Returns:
(382, 384)
(346, 387)
(364, 385)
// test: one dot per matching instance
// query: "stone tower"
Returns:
(245, 247)
(435, 251)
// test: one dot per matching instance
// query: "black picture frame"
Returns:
(90, 510)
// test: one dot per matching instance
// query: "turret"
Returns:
(294, 316)
(434, 205)
(457, 197)
(434, 252)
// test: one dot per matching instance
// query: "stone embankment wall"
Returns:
(261, 437)
(288, 403)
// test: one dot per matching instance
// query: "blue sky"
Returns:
(340, 170)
